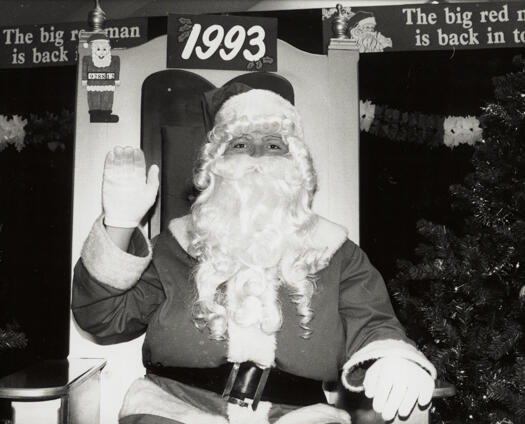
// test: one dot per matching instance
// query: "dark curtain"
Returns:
(35, 219)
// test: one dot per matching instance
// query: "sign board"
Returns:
(442, 26)
(28, 46)
(222, 42)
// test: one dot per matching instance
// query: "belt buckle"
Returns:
(246, 401)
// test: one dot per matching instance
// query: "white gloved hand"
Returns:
(396, 384)
(126, 193)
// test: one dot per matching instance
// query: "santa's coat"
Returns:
(118, 296)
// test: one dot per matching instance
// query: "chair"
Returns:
(173, 129)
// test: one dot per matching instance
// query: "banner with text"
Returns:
(28, 46)
(222, 42)
(432, 26)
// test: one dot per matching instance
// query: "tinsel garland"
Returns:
(12, 132)
(51, 130)
(11, 338)
(430, 129)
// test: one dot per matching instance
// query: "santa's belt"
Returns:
(246, 384)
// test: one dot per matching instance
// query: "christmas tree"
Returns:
(11, 337)
(463, 297)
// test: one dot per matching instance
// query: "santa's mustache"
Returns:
(235, 167)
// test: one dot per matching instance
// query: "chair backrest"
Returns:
(325, 92)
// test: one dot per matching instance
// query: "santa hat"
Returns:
(361, 18)
(257, 103)
(98, 36)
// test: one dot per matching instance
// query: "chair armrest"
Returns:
(49, 379)
(360, 407)
(55, 391)
(443, 389)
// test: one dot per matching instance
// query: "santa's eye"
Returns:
(239, 146)
(274, 143)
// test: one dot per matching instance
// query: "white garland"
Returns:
(12, 132)
(456, 129)
(461, 130)
(367, 112)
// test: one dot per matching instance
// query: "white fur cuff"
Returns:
(145, 397)
(319, 413)
(381, 349)
(108, 263)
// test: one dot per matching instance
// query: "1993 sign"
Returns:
(222, 42)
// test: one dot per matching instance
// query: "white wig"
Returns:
(256, 110)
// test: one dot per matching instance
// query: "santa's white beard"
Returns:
(101, 63)
(251, 231)
(368, 40)
(245, 216)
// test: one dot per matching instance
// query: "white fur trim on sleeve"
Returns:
(109, 264)
(384, 348)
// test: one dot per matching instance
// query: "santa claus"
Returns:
(100, 75)
(251, 301)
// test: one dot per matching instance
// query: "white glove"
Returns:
(396, 384)
(126, 193)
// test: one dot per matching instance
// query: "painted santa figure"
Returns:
(100, 75)
(251, 301)
(362, 28)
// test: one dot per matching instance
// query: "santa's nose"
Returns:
(257, 150)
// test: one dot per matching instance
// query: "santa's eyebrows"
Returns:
(272, 137)
(263, 137)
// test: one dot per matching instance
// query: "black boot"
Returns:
(95, 115)
(108, 117)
